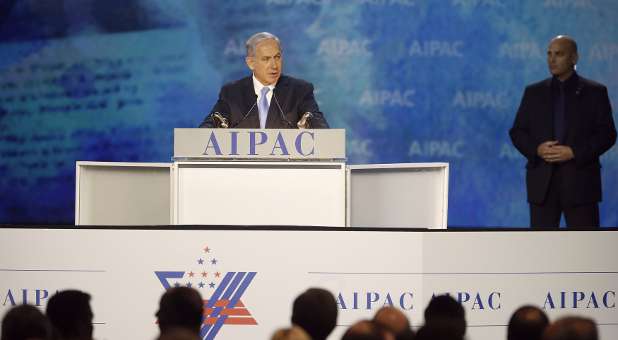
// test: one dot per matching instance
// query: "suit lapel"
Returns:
(248, 95)
(547, 111)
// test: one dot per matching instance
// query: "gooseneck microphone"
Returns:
(290, 125)
(246, 114)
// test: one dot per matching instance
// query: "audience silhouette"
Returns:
(527, 323)
(395, 321)
(315, 311)
(25, 322)
(367, 330)
(291, 333)
(314, 316)
(571, 328)
(180, 307)
(444, 311)
(70, 315)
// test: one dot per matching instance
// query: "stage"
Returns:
(254, 273)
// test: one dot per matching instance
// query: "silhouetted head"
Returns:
(367, 330)
(527, 323)
(572, 328)
(291, 333)
(438, 331)
(70, 314)
(315, 311)
(395, 321)
(25, 322)
(446, 311)
(180, 307)
(179, 334)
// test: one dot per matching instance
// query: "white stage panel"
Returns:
(407, 195)
(114, 193)
(493, 273)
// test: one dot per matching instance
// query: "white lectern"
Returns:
(261, 177)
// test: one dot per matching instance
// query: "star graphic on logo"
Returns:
(222, 303)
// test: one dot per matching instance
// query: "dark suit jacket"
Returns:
(291, 99)
(590, 132)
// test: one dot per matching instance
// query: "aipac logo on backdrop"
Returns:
(225, 289)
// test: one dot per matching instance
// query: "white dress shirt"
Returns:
(257, 86)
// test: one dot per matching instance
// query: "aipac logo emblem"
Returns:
(225, 289)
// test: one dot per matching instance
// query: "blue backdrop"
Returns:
(410, 81)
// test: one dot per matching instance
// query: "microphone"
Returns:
(290, 125)
(578, 90)
(246, 114)
(303, 123)
(220, 120)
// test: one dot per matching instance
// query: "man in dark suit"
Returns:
(267, 99)
(563, 125)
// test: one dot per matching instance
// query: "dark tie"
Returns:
(559, 120)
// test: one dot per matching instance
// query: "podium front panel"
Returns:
(260, 193)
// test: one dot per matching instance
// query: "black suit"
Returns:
(291, 99)
(590, 131)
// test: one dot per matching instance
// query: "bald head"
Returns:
(392, 319)
(527, 323)
(366, 330)
(292, 333)
(568, 41)
(562, 56)
(572, 328)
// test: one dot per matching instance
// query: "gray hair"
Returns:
(256, 39)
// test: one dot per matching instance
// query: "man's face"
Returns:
(561, 58)
(267, 62)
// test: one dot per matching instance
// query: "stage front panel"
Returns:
(491, 273)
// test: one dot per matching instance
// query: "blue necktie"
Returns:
(263, 106)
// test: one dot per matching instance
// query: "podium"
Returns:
(261, 177)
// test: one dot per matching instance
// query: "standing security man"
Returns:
(563, 125)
